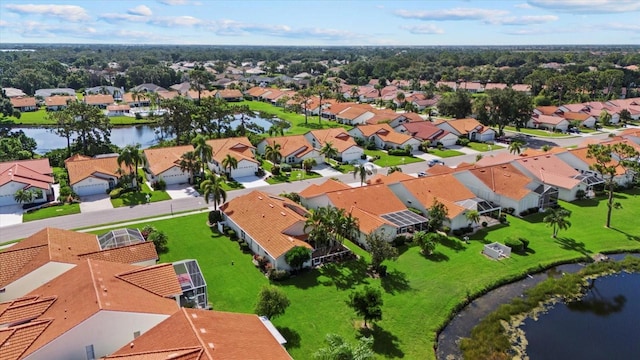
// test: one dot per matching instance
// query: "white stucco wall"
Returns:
(91, 186)
(315, 202)
(174, 176)
(34, 279)
(352, 153)
(245, 168)
(107, 331)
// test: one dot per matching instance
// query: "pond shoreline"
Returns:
(461, 324)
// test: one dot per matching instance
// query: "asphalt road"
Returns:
(123, 214)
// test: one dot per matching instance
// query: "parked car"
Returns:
(433, 162)
(574, 131)
(422, 174)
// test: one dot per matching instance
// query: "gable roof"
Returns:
(80, 168)
(266, 218)
(329, 185)
(551, 170)
(23, 101)
(292, 145)
(32, 173)
(425, 130)
(163, 159)
(465, 126)
(59, 100)
(98, 99)
(547, 110)
(504, 180)
(338, 137)
(392, 178)
(96, 287)
(205, 335)
(444, 188)
(375, 199)
(238, 147)
(548, 119)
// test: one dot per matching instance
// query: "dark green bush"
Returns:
(277, 275)
(115, 193)
(285, 168)
(515, 244)
(399, 152)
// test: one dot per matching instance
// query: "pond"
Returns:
(604, 324)
(144, 135)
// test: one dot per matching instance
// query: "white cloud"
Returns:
(35, 29)
(423, 29)
(588, 6)
(622, 27)
(452, 14)
(173, 21)
(140, 10)
(72, 13)
(523, 20)
(115, 18)
(4, 23)
(174, 2)
(523, 6)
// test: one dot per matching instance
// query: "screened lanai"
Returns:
(194, 287)
(120, 237)
(406, 221)
(480, 205)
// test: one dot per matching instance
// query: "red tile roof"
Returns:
(338, 137)
(98, 99)
(20, 102)
(504, 180)
(208, 334)
(550, 170)
(238, 147)
(59, 100)
(163, 159)
(292, 145)
(31, 173)
(314, 190)
(444, 188)
(80, 168)
(376, 199)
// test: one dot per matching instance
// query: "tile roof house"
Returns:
(294, 148)
(426, 130)
(340, 139)
(375, 206)
(136, 100)
(230, 95)
(392, 178)
(584, 119)
(579, 159)
(58, 102)
(271, 225)
(24, 103)
(356, 114)
(549, 122)
(91, 176)
(50, 252)
(384, 136)
(28, 175)
(421, 193)
(118, 110)
(469, 128)
(318, 190)
(44, 93)
(549, 169)
(108, 305)
(99, 100)
(207, 335)
(239, 148)
(164, 163)
(506, 186)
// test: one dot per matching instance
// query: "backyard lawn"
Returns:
(297, 121)
(52, 211)
(419, 292)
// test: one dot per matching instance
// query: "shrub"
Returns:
(115, 193)
(525, 243)
(371, 145)
(275, 170)
(399, 152)
(445, 229)
(514, 243)
(146, 231)
(260, 172)
(463, 141)
(160, 240)
(399, 240)
(159, 184)
(215, 216)
(285, 168)
(363, 157)
(232, 235)
(484, 224)
(277, 275)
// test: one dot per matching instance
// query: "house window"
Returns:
(91, 355)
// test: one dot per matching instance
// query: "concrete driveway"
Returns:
(251, 181)
(95, 203)
(326, 171)
(10, 215)
(181, 191)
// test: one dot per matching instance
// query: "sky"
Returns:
(322, 23)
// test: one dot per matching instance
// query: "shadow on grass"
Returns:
(345, 275)
(303, 279)
(572, 245)
(133, 198)
(384, 342)
(586, 202)
(292, 337)
(534, 218)
(453, 244)
(395, 281)
(436, 257)
(629, 236)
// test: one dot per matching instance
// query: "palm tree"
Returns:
(545, 148)
(130, 157)
(229, 163)
(516, 147)
(473, 216)
(400, 97)
(363, 170)
(316, 221)
(348, 226)
(212, 188)
(276, 130)
(338, 348)
(203, 150)
(557, 218)
(354, 92)
(272, 153)
(23, 196)
(190, 162)
(308, 164)
(328, 151)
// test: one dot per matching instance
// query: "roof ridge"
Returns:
(122, 277)
(93, 282)
(114, 249)
(197, 333)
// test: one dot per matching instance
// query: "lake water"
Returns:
(605, 324)
(144, 135)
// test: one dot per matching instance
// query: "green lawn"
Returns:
(298, 125)
(140, 197)
(53, 211)
(391, 160)
(419, 292)
(39, 118)
(537, 132)
(484, 147)
(294, 175)
(445, 153)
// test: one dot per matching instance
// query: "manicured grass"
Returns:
(294, 175)
(445, 153)
(140, 197)
(419, 292)
(484, 147)
(53, 211)
(391, 160)
(537, 132)
(298, 125)
(231, 185)
(39, 118)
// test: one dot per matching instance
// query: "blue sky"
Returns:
(329, 22)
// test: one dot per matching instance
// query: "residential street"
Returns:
(121, 214)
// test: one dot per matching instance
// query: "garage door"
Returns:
(244, 171)
(93, 189)
(7, 200)
(176, 179)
